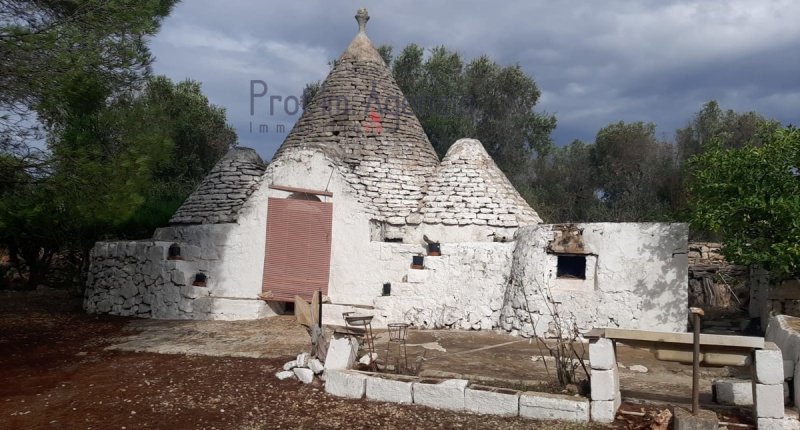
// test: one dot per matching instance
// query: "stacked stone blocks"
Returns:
(605, 391)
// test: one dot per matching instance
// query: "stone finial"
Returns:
(362, 17)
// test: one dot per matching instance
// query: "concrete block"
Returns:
(484, 400)
(341, 353)
(605, 384)
(704, 420)
(735, 392)
(544, 406)
(305, 376)
(604, 411)
(390, 390)
(769, 364)
(344, 383)
(769, 401)
(602, 355)
(448, 394)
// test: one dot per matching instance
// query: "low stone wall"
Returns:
(456, 395)
(135, 278)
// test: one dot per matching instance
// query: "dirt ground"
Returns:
(64, 369)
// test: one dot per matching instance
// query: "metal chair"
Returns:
(398, 332)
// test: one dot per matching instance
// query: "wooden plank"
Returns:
(301, 190)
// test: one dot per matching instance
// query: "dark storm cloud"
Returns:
(595, 62)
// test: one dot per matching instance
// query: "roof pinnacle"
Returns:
(362, 17)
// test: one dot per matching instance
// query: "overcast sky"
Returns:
(595, 62)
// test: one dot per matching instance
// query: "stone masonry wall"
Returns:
(463, 288)
(713, 282)
(636, 277)
(135, 278)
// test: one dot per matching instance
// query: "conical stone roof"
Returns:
(362, 121)
(221, 194)
(469, 189)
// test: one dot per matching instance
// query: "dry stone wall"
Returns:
(713, 282)
(136, 279)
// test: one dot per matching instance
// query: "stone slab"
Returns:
(704, 420)
(448, 394)
(484, 400)
(341, 353)
(544, 406)
(773, 424)
(344, 383)
(684, 338)
(390, 390)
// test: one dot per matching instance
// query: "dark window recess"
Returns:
(571, 267)
(393, 239)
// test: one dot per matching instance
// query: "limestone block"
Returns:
(605, 384)
(104, 306)
(602, 355)
(128, 290)
(185, 305)
(390, 390)
(737, 392)
(544, 406)
(344, 383)
(482, 400)
(316, 366)
(192, 292)
(302, 359)
(284, 374)
(341, 353)
(769, 364)
(178, 277)
(289, 365)
(604, 411)
(769, 401)
(448, 394)
(305, 376)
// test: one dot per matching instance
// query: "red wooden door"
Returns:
(298, 254)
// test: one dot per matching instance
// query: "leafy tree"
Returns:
(751, 195)
(735, 130)
(47, 46)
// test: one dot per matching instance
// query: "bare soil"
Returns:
(56, 373)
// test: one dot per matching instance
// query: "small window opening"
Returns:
(393, 239)
(571, 267)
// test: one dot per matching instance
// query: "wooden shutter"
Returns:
(298, 254)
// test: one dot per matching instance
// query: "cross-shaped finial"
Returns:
(362, 17)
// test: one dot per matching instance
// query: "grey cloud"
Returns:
(596, 62)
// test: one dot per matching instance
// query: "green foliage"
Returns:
(751, 195)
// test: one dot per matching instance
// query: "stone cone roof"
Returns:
(468, 188)
(221, 194)
(363, 122)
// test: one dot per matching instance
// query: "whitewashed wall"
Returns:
(636, 278)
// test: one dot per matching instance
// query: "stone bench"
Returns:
(720, 350)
